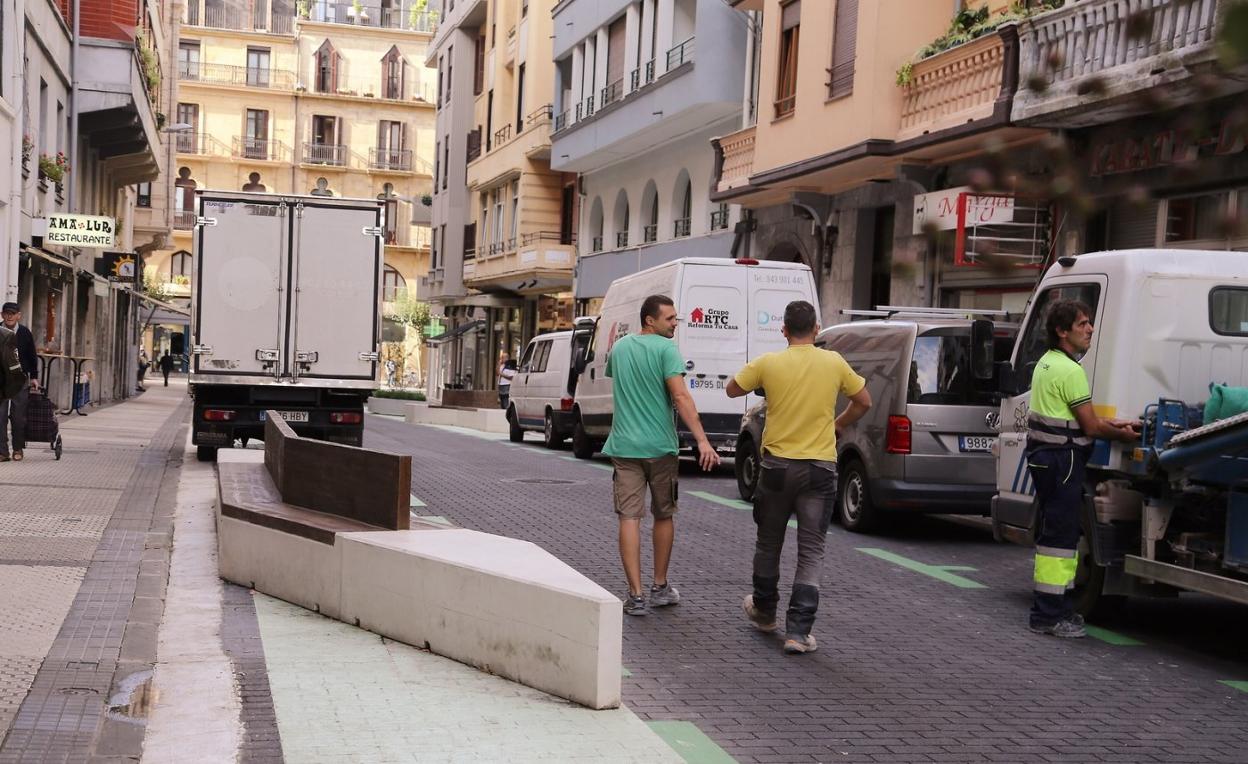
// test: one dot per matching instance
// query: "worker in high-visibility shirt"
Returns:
(1061, 428)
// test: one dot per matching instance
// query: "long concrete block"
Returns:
(485, 420)
(504, 605)
(298, 570)
(389, 406)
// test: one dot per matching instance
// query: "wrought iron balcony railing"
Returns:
(390, 159)
(332, 154)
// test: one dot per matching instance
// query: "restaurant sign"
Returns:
(81, 231)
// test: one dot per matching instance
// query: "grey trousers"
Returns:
(789, 487)
(14, 410)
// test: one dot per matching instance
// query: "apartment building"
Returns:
(80, 150)
(503, 220)
(315, 97)
(639, 94)
(855, 151)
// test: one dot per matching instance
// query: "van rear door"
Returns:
(713, 309)
(952, 417)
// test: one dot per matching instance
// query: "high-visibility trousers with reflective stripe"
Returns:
(1058, 474)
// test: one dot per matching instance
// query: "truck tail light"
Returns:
(898, 437)
(565, 404)
(345, 417)
(219, 415)
(746, 261)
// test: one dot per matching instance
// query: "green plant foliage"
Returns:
(408, 311)
(970, 24)
(402, 395)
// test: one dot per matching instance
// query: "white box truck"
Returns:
(285, 315)
(731, 312)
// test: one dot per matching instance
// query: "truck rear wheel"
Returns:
(206, 453)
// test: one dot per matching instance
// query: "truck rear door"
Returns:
(240, 270)
(712, 336)
(770, 291)
(337, 270)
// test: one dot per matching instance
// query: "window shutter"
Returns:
(844, 48)
(790, 15)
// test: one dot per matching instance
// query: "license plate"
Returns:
(976, 442)
(289, 416)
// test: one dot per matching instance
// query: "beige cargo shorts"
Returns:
(632, 476)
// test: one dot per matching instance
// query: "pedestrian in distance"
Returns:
(142, 370)
(14, 408)
(506, 373)
(166, 366)
(1061, 428)
(647, 373)
(802, 385)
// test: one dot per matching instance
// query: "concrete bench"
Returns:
(485, 420)
(501, 604)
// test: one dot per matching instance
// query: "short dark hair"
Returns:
(1062, 317)
(650, 307)
(800, 318)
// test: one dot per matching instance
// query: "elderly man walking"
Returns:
(13, 409)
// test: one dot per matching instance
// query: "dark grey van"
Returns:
(926, 444)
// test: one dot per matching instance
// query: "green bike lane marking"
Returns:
(589, 463)
(690, 743)
(938, 572)
(417, 502)
(733, 503)
(1235, 684)
(1111, 637)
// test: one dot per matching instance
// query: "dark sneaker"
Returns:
(636, 605)
(18, 456)
(4, 457)
(1065, 629)
(762, 621)
(661, 596)
(794, 645)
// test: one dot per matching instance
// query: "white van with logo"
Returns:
(542, 390)
(731, 311)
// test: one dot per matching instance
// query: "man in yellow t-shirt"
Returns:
(802, 384)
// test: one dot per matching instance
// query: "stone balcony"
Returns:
(537, 263)
(953, 87)
(738, 159)
(1083, 64)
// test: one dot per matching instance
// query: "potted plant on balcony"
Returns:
(28, 148)
(969, 24)
(303, 9)
(52, 168)
(151, 67)
(426, 200)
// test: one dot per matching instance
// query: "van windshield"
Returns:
(940, 370)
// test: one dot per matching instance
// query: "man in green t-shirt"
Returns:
(647, 375)
(1061, 427)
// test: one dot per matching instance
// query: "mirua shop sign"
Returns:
(81, 231)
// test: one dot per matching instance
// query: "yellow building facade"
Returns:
(323, 98)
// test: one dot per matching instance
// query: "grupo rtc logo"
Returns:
(710, 318)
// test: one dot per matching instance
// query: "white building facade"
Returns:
(636, 108)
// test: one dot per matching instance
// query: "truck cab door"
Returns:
(335, 321)
(241, 267)
(1013, 509)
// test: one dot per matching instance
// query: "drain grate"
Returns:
(547, 481)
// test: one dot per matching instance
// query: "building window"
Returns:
(391, 145)
(515, 211)
(188, 142)
(258, 67)
(484, 223)
(446, 158)
(499, 193)
(326, 68)
(392, 74)
(786, 83)
(684, 223)
(450, 72)
(478, 66)
(439, 95)
(844, 49)
(180, 267)
(188, 60)
(392, 284)
(437, 164)
(719, 217)
(326, 146)
(143, 195)
(256, 140)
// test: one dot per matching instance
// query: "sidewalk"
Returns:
(105, 663)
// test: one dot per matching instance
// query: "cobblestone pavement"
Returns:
(74, 541)
(912, 666)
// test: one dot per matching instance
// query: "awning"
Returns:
(166, 306)
(51, 265)
(456, 332)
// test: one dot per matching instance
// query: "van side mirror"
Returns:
(982, 349)
(1007, 379)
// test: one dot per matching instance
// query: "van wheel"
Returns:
(857, 512)
(514, 433)
(206, 453)
(582, 444)
(551, 436)
(746, 465)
